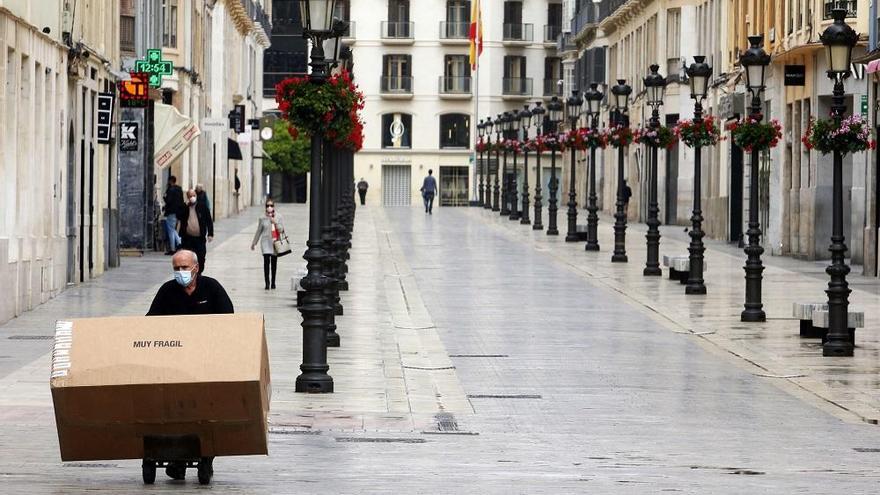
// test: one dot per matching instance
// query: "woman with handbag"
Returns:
(273, 242)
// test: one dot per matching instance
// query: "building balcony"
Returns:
(551, 33)
(518, 34)
(851, 7)
(398, 33)
(455, 88)
(514, 88)
(396, 87)
(455, 33)
(552, 87)
(565, 43)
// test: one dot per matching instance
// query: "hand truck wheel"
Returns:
(149, 471)
(205, 470)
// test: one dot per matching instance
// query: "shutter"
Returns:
(522, 67)
(396, 185)
(407, 66)
(508, 60)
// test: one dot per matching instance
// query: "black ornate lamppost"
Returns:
(538, 117)
(593, 98)
(839, 40)
(317, 19)
(481, 131)
(555, 116)
(487, 126)
(655, 86)
(573, 110)
(499, 132)
(755, 61)
(698, 73)
(512, 197)
(621, 94)
(525, 121)
(506, 121)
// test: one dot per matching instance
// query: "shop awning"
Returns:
(174, 133)
(233, 150)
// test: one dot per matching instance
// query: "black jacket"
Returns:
(206, 224)
(173, 200)
(209, 298)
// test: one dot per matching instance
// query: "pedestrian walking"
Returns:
(362, 190)
(202, 196)
(627, 193)
(429, 190)
(237, 185)
(269, 229)
(196, 227)
(173, 200)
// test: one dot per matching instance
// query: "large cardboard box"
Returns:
(117, 381)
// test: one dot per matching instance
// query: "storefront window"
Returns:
(455, 130)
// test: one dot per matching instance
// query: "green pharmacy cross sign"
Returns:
(155, 67)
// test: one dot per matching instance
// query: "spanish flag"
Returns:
(476, 33)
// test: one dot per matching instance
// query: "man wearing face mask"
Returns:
(196, 227)
(189, 293)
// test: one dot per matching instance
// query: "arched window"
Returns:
(455, 130)
(396, 130)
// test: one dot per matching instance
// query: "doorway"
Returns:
(396, 185)
(671, 209)
(736, 194)
(454, 186)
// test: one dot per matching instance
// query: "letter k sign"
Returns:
(128, 131)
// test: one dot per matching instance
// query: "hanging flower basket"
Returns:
(693, 134)
(331, 109)
(483, 146)
(752, 134)
(584, 139)
(662, 137)
(510, 146)
(852, 135)
(620, 136)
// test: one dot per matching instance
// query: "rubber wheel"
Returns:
(149, 471)
(205, 470)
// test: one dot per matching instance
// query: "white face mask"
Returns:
(192, 200)
(183, 277)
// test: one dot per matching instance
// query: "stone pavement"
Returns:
(477, 356)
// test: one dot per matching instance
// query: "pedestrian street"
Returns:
(479, 357)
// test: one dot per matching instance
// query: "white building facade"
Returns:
(411, 62)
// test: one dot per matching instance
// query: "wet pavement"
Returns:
(480, 356)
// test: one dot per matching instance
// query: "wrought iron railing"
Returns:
(397, 30)
(517, 86)
(396, 84)
(519, 32)
(455, 85)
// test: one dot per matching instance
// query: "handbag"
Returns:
(280, 244)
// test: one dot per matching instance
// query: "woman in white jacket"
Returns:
(269, 228)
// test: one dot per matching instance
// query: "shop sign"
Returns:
(128, 136)
(135, 91)
(105, 116)
(154, 67)
(795, 75)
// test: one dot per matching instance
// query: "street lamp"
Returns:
(554, 113)
(506, 122)
(481, 131)
(538, 118)
(488, 124)
(573, 110)
(525, 121)
(839, 40)
(317, 18)
(512, 197)
(755, 61)
(593, 98)
(620, 94)
(699, 73)
(499, 132)
(655, 87)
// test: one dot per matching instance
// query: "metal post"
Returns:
(754, 311)
(571, 235)
(592, 209)
(505, 186)
(514, 199)
(695, 284)
(314, 308)
(838, 342)
(619, 255)
(652, 237)
(552, 208)
(525, 192)
(496, 192)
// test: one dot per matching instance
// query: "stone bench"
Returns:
(679, 267)
(855, 319)
(804, 313)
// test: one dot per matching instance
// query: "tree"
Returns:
(284, 153)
